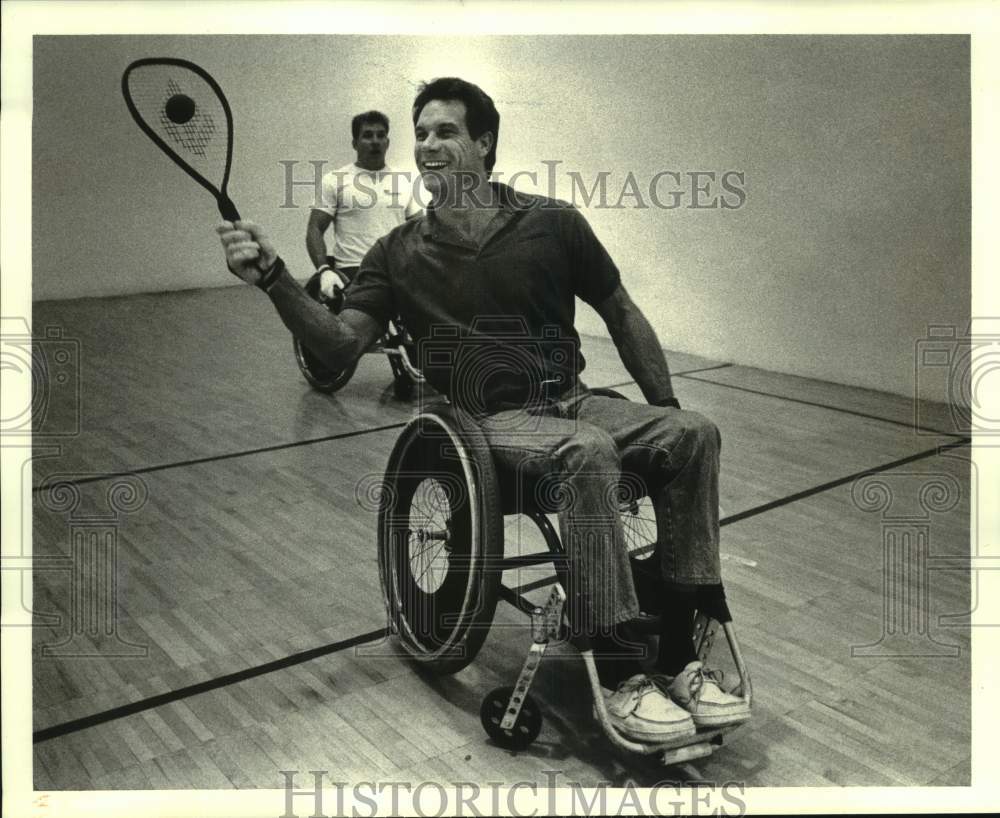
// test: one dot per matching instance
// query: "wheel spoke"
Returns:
(430, 512)
(639, 523)
(429, 562)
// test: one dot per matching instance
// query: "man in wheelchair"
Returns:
(486, 282)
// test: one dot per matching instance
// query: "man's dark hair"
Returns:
(376, 117)
(481, 115)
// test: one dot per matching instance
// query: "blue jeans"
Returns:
(578, 451)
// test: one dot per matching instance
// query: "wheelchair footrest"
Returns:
(702, 744)
(690, 747)
(689, 752)
(705, 735)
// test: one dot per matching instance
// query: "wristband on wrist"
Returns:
(671, 401)
(272, 275)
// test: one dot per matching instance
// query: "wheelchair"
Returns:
(441, 560)
(396, 345)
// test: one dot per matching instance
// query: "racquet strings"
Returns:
(185, 112)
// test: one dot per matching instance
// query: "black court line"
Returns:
(804, 402)
(511, 595)
(277, 447)
(43, 486)
(801, 495)
(794, 498)
(683, 374)
(160, 699)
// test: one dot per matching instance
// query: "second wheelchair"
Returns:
(396, 345)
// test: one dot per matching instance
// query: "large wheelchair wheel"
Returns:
(318, 374)
(440, 535)
(639, 525)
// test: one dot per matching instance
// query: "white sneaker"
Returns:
(699, 693)
(641, 711)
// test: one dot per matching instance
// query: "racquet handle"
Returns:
(228, 209)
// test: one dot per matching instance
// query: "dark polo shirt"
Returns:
(493, 324)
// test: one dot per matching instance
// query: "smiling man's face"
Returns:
(444, 150)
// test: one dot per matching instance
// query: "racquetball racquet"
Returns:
(182, 109)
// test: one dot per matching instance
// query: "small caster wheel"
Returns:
(526, 728)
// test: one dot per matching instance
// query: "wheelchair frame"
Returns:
(442, 628)
(395, 345)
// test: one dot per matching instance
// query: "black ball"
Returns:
(179, 108)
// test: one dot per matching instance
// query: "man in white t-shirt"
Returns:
(362, 202)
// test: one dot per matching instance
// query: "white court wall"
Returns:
(854, 235)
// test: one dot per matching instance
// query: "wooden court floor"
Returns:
(247, 636)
